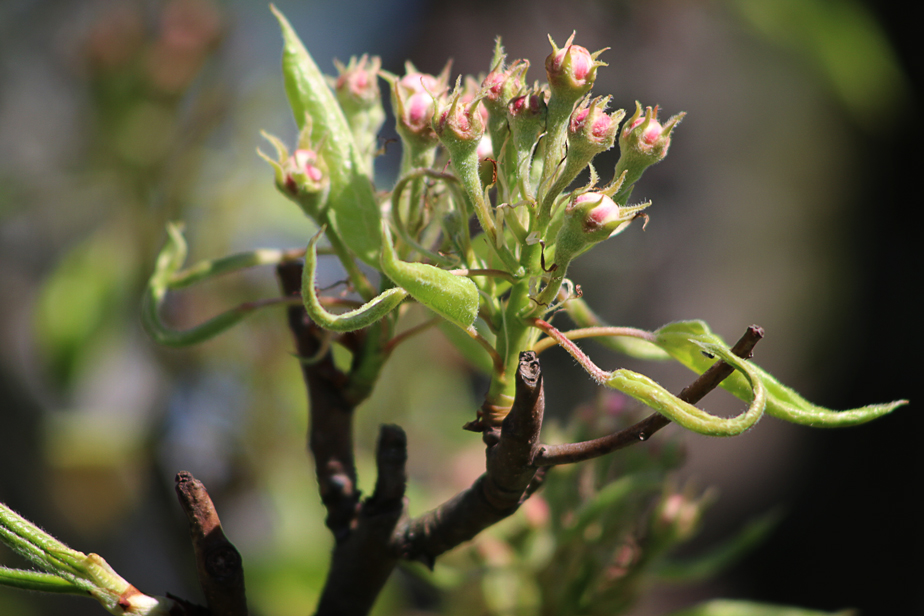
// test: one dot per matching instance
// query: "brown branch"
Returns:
(218, 562)
(551, 455)
(575, 452)
(361, 565)
(499, 491)
(330, 429)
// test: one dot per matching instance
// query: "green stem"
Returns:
(38, 582)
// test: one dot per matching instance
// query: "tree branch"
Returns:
(361, 565)
(498, 492)
(218, 562)
(330, 429)
(551, 455)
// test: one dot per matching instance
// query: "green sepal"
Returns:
(353, 211)
(364, 316)
(682, 340)
(647, 391)
(455, 298)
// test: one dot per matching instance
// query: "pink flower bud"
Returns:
(459, 122)
(526, 105)
(645, 136)
(412, 99)
(598, 210)
(302, 173)
(594, 126)
(501, 85)
(571, 70)
(357, 82)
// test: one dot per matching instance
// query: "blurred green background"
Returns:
(785, 202)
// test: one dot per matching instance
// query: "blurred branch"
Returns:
(218, 562)
(363, 562)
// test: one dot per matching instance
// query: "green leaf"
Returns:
(353, 212)
(727, 607)
(167, 275)
(683, 339)
(366, 315)
(649, 392)
(455, 298)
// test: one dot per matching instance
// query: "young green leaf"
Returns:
(649, 392)
(366, 315)
(683, 339)
(167, 275)
(455, 298)
(353, 212)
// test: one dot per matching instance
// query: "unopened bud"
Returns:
(591, 124)
(571, 70)
(412, 100)
(459, 122)
(503, 84)
(357, 84)
(644, 139)
(643, 142)
(302, 173)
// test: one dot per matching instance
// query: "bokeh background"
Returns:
(787, 201)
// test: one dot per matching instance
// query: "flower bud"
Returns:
(644, 139)
(594, 216)
(358, 93)
(503, 84)
(357, 85)
(301, 176)
(302, 173)
(643, 142)
(459, 122)
(571, 70)
(526, 116)
(592, 127)
(678, 514)
(412, 100)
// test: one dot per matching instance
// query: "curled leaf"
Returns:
(649, 392)
(364, 316)
(455, 298)
(167, 275)
(683, 339)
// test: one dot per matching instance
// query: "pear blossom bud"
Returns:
(643, 142)
(571, 70)
(501, 85)
(459, 122)
(678, 515)
(593, 126)
(526, 116)
(412, 99)
(302, 174)
(358, 93)
(357, 85)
